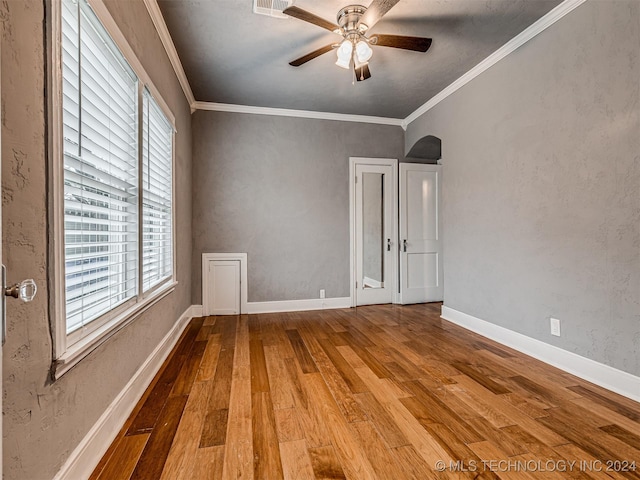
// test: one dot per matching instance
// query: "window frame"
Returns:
(69, 349)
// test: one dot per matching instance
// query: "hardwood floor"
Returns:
(379, 392)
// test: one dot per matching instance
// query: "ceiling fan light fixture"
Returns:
(363, 51)
(342, 63)
(353, 23)
(357, 63)
(344, 53)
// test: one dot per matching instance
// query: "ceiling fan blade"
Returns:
(305, 16)
(362, 72)
(376, 11)
(417, 44)
(310, 56)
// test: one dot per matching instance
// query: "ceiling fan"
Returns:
(354, 21)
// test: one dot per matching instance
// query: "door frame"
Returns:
(242, 258)
(3, 313)
(395, 275)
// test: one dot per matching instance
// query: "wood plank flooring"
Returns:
(379, 392)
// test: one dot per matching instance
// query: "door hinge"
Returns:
(356, 285)
(356, 179)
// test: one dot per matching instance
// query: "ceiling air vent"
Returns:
(273, 8)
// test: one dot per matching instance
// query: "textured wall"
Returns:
(44, 421)
(541, 159)
(278, 189)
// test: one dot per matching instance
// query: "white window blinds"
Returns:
(100, 133)
(157, 156)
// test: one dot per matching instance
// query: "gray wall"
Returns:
(44, 421)
(278, 189)
(541, 160)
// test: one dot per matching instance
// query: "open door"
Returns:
(374, 230)
(374, 234)
(420, 233)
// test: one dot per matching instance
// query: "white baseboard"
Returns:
(196, 311)
(298, 305)
(93, 446)
(603, 375)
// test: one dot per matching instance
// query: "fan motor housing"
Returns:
(348, 19)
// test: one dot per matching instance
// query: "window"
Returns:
(99, 102)
(116, 152)
(157, 252)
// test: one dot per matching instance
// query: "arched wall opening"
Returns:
(426, 150)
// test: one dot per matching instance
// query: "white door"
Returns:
(420, 233)
(224, 288)
(374, 234)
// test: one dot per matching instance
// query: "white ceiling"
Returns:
(232, 55)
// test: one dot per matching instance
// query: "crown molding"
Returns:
(170, 48)
(284, 112)
(549, 19)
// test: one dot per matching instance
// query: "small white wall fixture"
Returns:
(224, 287)
(207, 300)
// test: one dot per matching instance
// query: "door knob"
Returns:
(25, 290)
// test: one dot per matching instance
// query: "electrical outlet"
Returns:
(555, 326)
(322, 293)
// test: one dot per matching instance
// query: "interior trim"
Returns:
(87, 454)
(75, 352)
(549, 19)
(279, 306)
(285, 112)
(603, 375)
(167, 42)
(298, 305)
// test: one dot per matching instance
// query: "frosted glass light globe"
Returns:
(344, 52)
(363, 51)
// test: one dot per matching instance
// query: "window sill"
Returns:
(79, 350)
